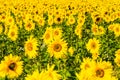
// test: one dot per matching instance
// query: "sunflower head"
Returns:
(13, 34)
(11, 66)
(93, 45)
(48, 36)
(57, 48)
(31, 47)
(57, 33)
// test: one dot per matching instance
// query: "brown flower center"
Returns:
(93, 45)
(12, 34)
(57, 47)
(100, 73)
(29, 46)
(56, 33)
(29, 25)
(12, 66)
(58, 19)
(117, 29)
(47, 36)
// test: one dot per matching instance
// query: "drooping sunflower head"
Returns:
(93, 45)
(11, 66)
(31, 47)
(57, 48)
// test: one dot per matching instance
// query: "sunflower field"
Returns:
(59, 40)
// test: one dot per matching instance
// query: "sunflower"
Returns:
(50, 74)
(47, 36)
(101, 71)
(117, 61)
(13, 34)
(95, 29)
(93, 45)
(11, 66)
(95, 55)
(33, 76)
(9, 20)
(81, 19)
(50, 20)
(101, 30)
(87, 63)
(85, 66)
(78, 31)
(111, 27)
(117, 53)
(57, 33)
(57, 48)
(41, 21)
(71, 20)
(29, 25)
(31, 47)
(71, 50)
(58, 19)
(116, 30)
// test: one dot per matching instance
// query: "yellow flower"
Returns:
(9, 20)
(11, 66)
(57, 33)
(81, 19)
(47, 36)
(71, 51)
(101, 72)
(117, 53)
(57, 48)
(13, 34)
(117, 61)
(101, 30)
(3, 17)
(58, 19)
(87, 63)
(117, 30)
(93, 45)
(34, 76)
(95, 55)
(95, 29)
(78, 31)
(85, 66)
(41, 21)
(71, 20)
(111, 27)
(50, 20)
(31, 47)
(50, 74)
(29, 25)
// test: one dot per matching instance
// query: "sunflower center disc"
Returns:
(57, 48)
(12, 66)
(100, 73)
